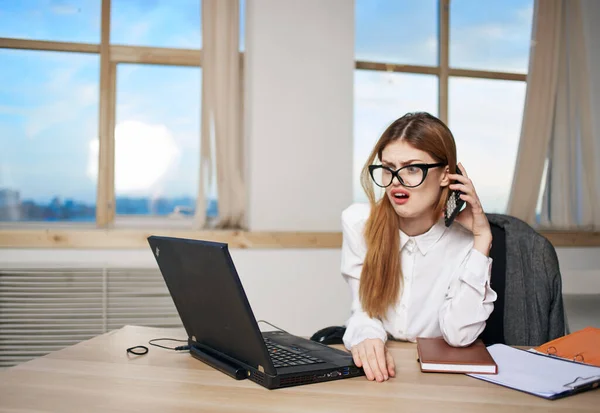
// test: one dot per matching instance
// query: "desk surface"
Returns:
(97, 375)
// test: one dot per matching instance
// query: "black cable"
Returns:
(141, 350)
(137, 350)
(178, 348)
(272, 325)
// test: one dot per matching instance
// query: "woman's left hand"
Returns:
(472, 217)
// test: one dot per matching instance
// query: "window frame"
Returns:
(103, 233)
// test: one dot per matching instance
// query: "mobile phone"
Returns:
(454, 203)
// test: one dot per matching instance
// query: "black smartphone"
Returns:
(454, 203)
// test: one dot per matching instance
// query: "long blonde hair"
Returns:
(381, 276)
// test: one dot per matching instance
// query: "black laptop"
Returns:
(221, 327)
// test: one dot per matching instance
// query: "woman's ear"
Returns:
(445, 180)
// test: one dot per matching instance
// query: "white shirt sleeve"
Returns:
(359, 326)
(469, 301)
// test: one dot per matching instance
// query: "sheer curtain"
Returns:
(557, 132)
(221, 115)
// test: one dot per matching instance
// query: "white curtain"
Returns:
(557, 130)
(221, 133)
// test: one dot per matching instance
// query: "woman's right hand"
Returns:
(373, 356)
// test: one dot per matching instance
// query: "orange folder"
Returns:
(582, 346)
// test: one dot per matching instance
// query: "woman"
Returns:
(409, 274)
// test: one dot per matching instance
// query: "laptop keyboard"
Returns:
(284, 358)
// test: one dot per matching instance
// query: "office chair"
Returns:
(526, 276)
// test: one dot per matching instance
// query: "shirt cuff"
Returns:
(353, 337)
(479, 270)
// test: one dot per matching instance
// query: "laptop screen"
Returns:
(210, 299)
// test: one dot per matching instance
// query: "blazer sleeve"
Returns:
(556, 318)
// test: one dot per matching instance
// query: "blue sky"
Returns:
(49, 101)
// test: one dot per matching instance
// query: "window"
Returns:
(67, 101)
(65, 21)
(48, 122)
(477, 88)
(156, 144)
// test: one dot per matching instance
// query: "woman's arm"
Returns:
(469, 301)
(360, 326)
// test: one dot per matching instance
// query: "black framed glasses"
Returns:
(409, 176)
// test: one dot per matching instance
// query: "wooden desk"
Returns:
(98, 376)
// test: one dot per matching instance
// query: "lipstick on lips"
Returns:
(400, 196)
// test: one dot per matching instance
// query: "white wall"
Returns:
(299, 74)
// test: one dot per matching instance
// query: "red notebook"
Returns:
(435, 355)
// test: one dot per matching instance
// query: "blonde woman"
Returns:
(410, 275)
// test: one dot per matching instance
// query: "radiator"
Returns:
(43, 310)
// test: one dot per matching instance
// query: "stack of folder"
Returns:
(582, 346)
(556, 369)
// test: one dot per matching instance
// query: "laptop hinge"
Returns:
(226, 366)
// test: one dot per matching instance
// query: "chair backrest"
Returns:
(494, 328)
(526, 276)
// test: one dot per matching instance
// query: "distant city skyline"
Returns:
(14, 208)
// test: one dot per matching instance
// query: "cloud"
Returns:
(11, 110)
(46, 89)
(68, 106)
(491, 31)
(431, 44)
(48, 105)
(192, 39)
(144, 155)
(525, 14)
(64, 9)
(56, 20)
(493, 42)
(157, 24)
(399, 91)
(137, 32)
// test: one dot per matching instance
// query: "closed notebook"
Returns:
(582, 346)
(435, 355)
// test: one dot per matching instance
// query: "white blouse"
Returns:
(446, 290)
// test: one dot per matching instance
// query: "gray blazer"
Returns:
(533, 304)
